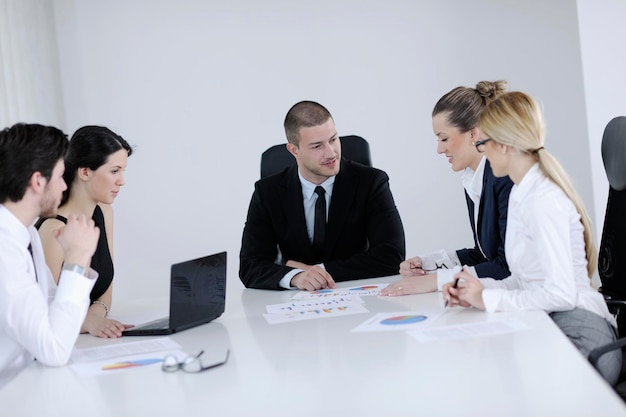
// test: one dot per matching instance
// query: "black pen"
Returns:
(456, 284)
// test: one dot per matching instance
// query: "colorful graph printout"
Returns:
(361, 291)
(365, 288)
(383, 322)
(300, 305)
(403, 320)
(341, 309)
(130, 364)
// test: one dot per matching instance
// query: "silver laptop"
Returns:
(197, 296)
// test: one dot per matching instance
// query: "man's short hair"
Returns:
(24, 150)
(304, 114)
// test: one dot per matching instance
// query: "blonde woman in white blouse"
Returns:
(549, 242)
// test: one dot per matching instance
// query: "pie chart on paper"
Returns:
(403, 320)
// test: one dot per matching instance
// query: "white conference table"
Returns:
(321, 368)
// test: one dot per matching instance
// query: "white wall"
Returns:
(30, 89)
(603, 38)
(201, 88)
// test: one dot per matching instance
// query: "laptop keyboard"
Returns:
(162, 323)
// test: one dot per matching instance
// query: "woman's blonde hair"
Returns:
(514, 119)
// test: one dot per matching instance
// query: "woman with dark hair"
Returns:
(456, 124)
(94, 174)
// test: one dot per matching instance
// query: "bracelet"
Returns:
(106, 307)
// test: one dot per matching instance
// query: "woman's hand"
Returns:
(412, 268)
(411, 285)
(103, 327)
(467, 292)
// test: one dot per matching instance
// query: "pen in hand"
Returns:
(456, 284)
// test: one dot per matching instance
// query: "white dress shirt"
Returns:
(309, 197)
(37, 318)
(545, 250)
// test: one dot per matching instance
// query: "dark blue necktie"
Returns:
(319, 230)
(30, 249)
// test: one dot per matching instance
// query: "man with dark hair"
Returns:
(37, 319)
(323, 220)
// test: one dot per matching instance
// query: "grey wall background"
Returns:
(602, 36)
(201, 89)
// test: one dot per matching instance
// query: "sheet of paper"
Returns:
(342, 309)
(406, 320)
(311, 304)
(461, 331)
(123, 364)
(159, 344)
(361, 291)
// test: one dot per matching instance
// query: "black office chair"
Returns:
(276, 158)
(612, 255)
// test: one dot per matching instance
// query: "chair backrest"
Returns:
(612, 255)
(276, 158)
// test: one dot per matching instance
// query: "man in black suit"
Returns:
(363, 237)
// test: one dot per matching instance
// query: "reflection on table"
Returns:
(319, 367)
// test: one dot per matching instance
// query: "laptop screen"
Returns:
(198, 290)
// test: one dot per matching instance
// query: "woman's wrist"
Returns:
(103, 304)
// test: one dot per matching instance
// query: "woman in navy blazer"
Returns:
(455, 123)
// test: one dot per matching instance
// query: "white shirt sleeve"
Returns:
(285, 282)
(494, 289)
(438, 260)
(48, 332)
(445, 263)
(445, 276)
(547, 250)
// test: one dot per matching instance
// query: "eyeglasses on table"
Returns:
(191, 364)
(437, 266)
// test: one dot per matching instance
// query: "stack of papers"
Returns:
(119, 357)
(324, 303)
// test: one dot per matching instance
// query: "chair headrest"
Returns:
(614, 152)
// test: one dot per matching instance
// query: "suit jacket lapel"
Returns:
(293, 209)
(470, 210)
(481, 210)
(344, 190)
